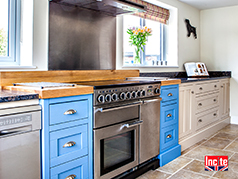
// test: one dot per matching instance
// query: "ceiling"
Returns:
(209, 4)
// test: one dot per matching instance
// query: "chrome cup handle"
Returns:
(69, 144)
(71, 176)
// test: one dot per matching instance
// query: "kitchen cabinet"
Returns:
(224, 98)
(67, 137)
(169, 147)
(203, 110)
(186, 114)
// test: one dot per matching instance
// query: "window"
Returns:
(9, 32)
(155, 47)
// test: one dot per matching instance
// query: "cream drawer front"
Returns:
(206, 87)
(205, 118)
(206, 102)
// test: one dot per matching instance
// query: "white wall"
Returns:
(219, 42)
(188, 48)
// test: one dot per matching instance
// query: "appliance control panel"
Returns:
(111, 95)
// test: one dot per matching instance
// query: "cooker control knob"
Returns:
(122, 95)
(128, 95)
(143, 93)
(157, 90)
(108, 98)
(133, 94)
(101, 99)
(114, 97)
(138, 93)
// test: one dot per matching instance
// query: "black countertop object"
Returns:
(114, 83)
(8, 96)
(213, 75)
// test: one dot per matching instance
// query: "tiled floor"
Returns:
(191, 163)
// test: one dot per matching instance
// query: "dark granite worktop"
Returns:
(8, 96)
(213, 75)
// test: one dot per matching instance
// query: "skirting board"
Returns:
(234, 119)
(188, 142)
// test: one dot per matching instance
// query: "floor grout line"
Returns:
(229, 144)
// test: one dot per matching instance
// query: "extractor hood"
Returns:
(110, 7)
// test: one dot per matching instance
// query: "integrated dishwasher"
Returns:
(20, 142)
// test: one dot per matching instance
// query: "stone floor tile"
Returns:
(192, 147)
(175, 165)
(232, 172)
(154, 174)
(217, 143)
(225, 135)
(200, 152)
(233, 147)
(234, 158)
(198, 167)
(232, 129)
(184, 174)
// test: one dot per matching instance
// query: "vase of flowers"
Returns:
(138, 38)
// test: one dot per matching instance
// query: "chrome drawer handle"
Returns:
(170, 94)
(200, 88)
(70, 112)
(214, 114)
(200, 104)
(214, 100)
(215, 86)
(69, 144)
(169, 115)
(169, 136)
(200, 120)
(71, 176)
(222, 86)
(133, 124)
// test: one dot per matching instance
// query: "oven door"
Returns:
(116, 149)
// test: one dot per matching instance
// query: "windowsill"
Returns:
(138, 66)
(17, 67)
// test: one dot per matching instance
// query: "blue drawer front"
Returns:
(169, 92)
(60, 154)
(78, 167)
(57, 111)
(169, 115)
(169, 137)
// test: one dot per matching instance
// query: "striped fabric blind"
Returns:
(153, 12)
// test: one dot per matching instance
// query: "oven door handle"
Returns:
(132, 124)
(120, 107)
(152, 100)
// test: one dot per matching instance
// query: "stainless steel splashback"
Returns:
(80, 39)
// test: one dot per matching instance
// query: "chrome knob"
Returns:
(128, 95)
(101, 99)
(133, 94)
(114, 97)
(138, 93)
(108, 98)
(123, 95)
(157, 90)
(143, 93)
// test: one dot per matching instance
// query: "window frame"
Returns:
(163, 41)
(14, 16)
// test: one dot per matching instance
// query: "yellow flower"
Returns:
(145, 27)
(134, 31)
(139, 29)
(142, 30)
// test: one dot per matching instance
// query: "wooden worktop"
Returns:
(171, 81)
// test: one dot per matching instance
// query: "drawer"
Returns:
(169, 115)
(169, 93)
(207, 101)
(206, 87)
(205, 118)
(78, 168)
(58, 115)
(168, 137)
(68, 144)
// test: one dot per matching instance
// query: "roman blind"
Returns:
(153, 12)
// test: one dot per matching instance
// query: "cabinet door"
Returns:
(186, 108)
(224, 98)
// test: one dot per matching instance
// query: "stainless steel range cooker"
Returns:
(125, 125)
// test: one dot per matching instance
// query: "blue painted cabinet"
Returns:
(66, 145)
(169, 147)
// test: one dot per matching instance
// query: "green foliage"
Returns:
(3, 43)
(138, 38)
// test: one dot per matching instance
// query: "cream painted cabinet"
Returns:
(224, 98)
(203, 109)
(186, 114)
